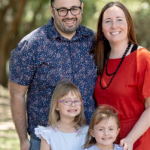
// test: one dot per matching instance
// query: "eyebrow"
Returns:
(68, 8)
(104, 126)
(116, 17)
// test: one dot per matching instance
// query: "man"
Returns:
(60, 49)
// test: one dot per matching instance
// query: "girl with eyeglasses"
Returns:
(67, 125)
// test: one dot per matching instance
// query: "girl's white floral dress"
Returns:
(62, 141)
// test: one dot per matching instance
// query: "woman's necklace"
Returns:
(114, 73)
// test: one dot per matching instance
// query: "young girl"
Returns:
(103, 129)
(67, 126)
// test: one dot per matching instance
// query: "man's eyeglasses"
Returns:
(70, 102)
(62, 12)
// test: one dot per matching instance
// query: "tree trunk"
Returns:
(3, 75)
(5, 40)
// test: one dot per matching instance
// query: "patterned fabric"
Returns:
(116, 147)
(67, 141)
(43, 58)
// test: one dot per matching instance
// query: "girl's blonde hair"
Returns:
(102, 112)
(63, 88)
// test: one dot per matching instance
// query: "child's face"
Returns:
(68, 111)
(105, 133)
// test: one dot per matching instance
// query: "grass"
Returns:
(9, 140)
(8, 137)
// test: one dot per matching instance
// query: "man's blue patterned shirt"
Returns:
(43, 58)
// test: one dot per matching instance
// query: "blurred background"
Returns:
(19, 17)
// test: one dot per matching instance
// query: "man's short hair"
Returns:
(52, 1)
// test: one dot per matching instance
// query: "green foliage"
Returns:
(36, 14)
(88, 13)
(142, 21)
(39, 10)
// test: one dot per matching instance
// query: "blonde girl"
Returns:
(103, 129)
(67, 125)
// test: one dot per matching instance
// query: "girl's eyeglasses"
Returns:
(70, 102)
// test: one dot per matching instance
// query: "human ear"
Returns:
(52, 12)
(57, 108)
(92, 133)
(118, 130)
(82, 5)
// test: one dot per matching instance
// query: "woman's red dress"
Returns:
(127, 91)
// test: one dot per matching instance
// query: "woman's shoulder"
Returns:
(143, 56)
(142, 51)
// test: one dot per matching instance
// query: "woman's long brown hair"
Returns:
(102, 48)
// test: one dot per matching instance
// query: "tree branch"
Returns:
(15, 23)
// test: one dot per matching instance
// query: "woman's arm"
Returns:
(139, 128)
(44, 145)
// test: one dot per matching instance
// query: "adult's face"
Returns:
(114, 25)
(68, 24)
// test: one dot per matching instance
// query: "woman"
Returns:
(123, 75)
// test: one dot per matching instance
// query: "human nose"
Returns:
(114, 24)
(69, 14)
(106, 132)
(72, 103)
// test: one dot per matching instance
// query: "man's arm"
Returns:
(18, 109)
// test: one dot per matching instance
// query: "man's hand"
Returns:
(25, 145)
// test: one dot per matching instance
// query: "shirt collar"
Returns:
(53, 33)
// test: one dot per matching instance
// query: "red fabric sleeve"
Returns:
(143, 70)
